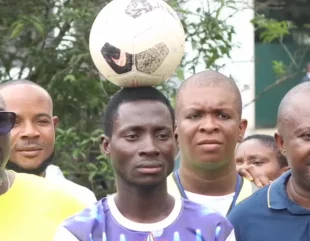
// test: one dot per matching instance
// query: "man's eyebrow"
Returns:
(43, 115)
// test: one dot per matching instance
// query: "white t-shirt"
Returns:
(54, 174)
(221, 204)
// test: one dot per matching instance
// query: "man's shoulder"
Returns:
(88, 215)
(250, 206)
(54, 174)
(42, 185)
(81, 191)
(34, 182)
(91, 220)
(47, 192)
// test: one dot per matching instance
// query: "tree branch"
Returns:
(269, 87)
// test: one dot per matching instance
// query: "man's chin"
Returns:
(29, 169)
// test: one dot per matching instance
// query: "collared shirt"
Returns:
(270, 215)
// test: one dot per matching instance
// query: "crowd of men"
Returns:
(227, 187)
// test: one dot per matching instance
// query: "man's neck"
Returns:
(209, 182)
(143, 206)
(298, 194)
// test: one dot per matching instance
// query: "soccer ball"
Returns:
(137, 42)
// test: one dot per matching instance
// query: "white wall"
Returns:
(241, 64)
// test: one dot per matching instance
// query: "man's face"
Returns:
(208, 126)
(142, 147)
(7, 120)
(33, 136)
(294, 139)
(253, 153)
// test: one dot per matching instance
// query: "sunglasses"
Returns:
(7, 122)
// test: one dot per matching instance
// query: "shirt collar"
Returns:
(278, 199)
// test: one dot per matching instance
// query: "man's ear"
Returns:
(242, 128)
(105, 145)
(55, 121)
(176, 136)
(280, 143)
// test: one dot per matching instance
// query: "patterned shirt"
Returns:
(188, 221)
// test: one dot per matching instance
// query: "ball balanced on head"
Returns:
(137, 42)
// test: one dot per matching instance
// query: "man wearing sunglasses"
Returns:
(33, 135)
(31, 207)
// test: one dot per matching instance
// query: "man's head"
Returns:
(261, 152)
(209, 124)
(7, 121)
(293, 136)
(33, 136)
(139, 139)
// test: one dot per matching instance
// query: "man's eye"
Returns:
(194, 116)
(257, 163)
(131, 137)
(163, 136)
(224, 116)
(306, 136)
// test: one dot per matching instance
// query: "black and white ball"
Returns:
(137, 42)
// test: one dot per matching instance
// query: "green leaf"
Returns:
(180, 73)
(19, 27)
(38, 26)
(69, 78)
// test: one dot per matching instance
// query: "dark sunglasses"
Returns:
(7, 122)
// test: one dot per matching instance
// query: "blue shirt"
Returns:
(269, 215)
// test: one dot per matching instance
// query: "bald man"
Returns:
(281, 210)
(33, 135)
(31, 207)
(209, 125)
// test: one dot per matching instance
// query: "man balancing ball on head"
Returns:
(208, 127)
(139, 139)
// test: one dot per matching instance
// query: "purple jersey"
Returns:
(188, 221)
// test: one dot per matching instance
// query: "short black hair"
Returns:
(270, 142)
(126, 95)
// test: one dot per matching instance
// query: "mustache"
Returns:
(30, 143)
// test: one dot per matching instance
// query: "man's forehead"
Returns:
(24, 93)
(295, 116)
(143, 113)
(205, 95)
